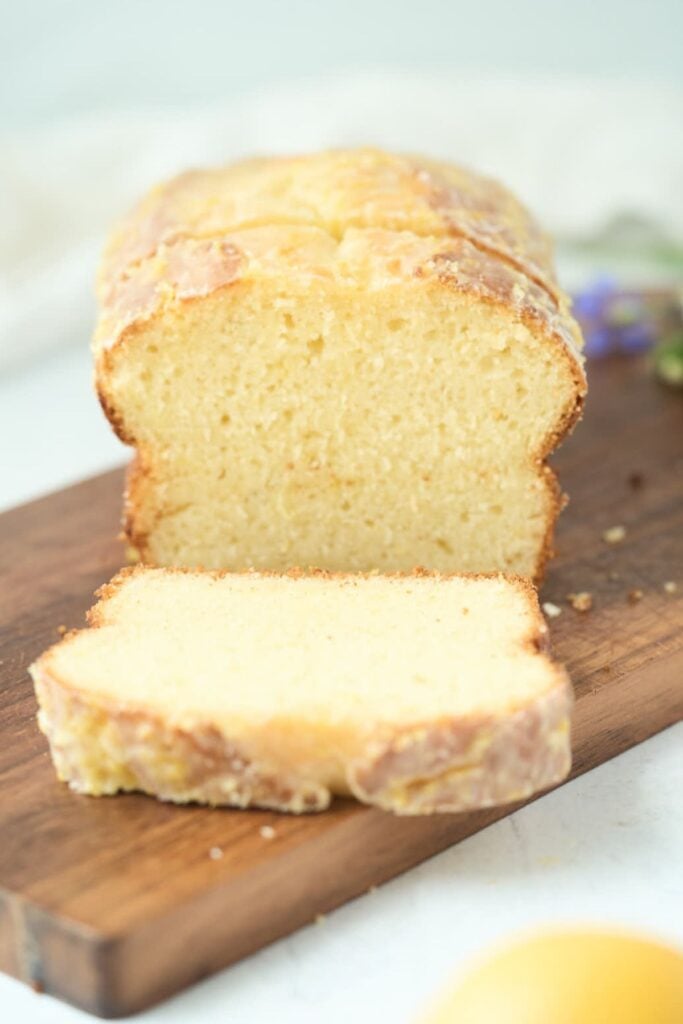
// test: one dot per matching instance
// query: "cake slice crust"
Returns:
(417, 693)
(352, 359)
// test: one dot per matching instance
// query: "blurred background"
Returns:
(578, 107)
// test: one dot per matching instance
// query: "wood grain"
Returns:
(113, 904)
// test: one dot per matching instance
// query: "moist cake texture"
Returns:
(417, 693)
(354, 360)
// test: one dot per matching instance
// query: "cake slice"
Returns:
(417, 693)
(353, 359)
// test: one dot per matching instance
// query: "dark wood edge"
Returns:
(116, 975)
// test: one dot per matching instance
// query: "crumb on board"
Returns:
(267, 832)
(634, 596)
(581, 602)
(61, 630)
(635, 481)
(613, 575)
(614, 535)
(215, 853)
(551, 610)
(670, 587)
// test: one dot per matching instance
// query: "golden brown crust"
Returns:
(463, 266)
(185, 269)
(350, 219)
(335, 191)
(503, 285)
(100, 745)
(461, 765)
(137, 478)
(184, 239)
(521, 583)
(482, 211)
(108, 407)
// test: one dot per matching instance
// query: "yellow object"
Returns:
(352, 360)
(573, 977)
(416, 693)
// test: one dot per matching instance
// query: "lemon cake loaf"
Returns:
(417, 692)
(353, 360)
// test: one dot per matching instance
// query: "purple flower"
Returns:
(598, 341)
(636, 337)
(590, 303)
(614, 321)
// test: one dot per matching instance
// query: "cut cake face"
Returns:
(416, 693)
(355, 361)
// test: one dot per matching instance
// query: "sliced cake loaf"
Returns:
(353, 360)
(417, 692)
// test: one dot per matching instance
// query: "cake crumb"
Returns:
(373, 888)
(670, 587)
(320, 918)
(634, 596)
(581, 602)
(215, 853)
(614, 535)
(551, 610)
(61, 630)
(267, 832)
(636, 481)
(613, 575)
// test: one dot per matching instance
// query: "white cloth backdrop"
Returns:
(581, 153)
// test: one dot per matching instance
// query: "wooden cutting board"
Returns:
(113, 904)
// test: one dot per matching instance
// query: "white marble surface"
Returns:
(607, 848)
